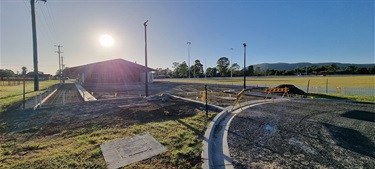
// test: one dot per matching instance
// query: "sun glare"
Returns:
(106, 40)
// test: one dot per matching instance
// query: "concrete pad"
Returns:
(124, 152)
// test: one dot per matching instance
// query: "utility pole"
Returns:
(35, 51)
(146, 71)
(244, 66)
(62, 66)
(189, 57)
(231, 60)
(59, 52)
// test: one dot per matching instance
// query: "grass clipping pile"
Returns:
(69, 136)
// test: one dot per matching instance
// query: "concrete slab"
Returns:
(124, 152)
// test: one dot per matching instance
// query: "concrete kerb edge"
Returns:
(45, 99)
(82, 91)
(209, 131)
(210, 106)
(206, 156)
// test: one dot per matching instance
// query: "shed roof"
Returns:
(121, 63)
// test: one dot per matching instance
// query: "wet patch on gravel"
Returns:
(304, 134)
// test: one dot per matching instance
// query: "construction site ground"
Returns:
(318, 125)
(304, 134)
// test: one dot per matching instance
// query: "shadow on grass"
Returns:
(360, 115)
(351, 140)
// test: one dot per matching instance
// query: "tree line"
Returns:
(225, 69)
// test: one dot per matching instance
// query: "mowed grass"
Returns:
(81, 148)
(315, 81)
(342, 97)
(12, 95)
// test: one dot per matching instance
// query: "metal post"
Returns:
(189, 57)
(244, 66)
(327, 86)
(23, 99)
(146, 71)
(231, 60)
(308, 86)
(205, 90)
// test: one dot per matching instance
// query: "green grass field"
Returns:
(80, 148)
(11, 95)
(315, 81)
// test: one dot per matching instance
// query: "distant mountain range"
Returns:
(292, 66)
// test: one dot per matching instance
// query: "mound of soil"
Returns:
(293, 90)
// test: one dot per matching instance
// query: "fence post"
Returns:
(205, 90)
(308, 86)
(327, 85)
(23, 99)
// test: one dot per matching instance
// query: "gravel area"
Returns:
(304, 134)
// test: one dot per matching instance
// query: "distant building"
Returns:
(110, 71)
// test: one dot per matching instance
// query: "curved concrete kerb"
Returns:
(215, 152)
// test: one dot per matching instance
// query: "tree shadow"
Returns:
(360, 115)
(352, 140)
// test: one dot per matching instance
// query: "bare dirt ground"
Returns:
(304, 134)
(105, 113)
(216, 96)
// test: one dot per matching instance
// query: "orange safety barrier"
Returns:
(269, 91)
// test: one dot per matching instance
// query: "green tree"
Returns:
(333, 67)
(372, 70)
(363, 70)
(6, 73)
(175, 69)
(235, 67)
(24, 70)
(214, 72)
(352, 68)
(250, 70)
(197, 68)
(182, 69)
(222, 66)
(209, 72)
(258, 71)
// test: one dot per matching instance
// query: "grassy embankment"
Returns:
(315, 82)
(11, 96)
(81, 148)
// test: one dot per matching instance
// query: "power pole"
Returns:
(189, 57)
(62, 66)
(35, 51)
(244, 66)
(146, 86)
(231, 60)
(59, 52)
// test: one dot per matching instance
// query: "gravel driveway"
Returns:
(304, 134)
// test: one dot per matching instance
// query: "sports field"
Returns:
(333, 81)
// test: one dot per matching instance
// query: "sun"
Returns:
(106, 40)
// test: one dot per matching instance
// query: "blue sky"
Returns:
(275, 31)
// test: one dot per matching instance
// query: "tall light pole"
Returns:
(146, 72)
(35, 51)
(231, 60)
(244, 65)
(189, 57)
